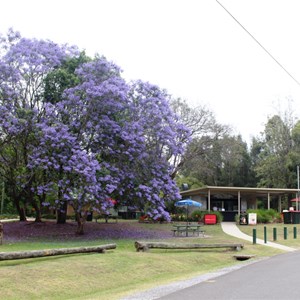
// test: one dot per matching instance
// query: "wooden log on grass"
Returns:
(52, 252)
(145, 246)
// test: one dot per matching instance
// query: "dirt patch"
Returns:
(48, 230)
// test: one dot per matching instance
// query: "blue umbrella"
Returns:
(186, 203)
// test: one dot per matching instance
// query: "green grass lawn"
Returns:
(117, 272)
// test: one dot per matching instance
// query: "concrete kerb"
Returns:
(230, 228)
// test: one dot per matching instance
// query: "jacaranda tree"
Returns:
(24, 64)
(74, 132)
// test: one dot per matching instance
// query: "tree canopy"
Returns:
(74, 132)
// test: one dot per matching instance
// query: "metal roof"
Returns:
(234, 191)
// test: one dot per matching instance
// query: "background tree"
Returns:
(236, 163)
(273, 160)
(293, 159)
(185, 183)
(62, 78)
(225, 162)
(204, 130)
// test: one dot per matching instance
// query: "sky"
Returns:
(192, 48)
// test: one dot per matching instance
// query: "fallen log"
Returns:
(52, 252)
(145, 246)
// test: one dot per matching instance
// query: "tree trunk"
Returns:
(62, 214)
(144, 246)
(51, 252)
(21, 210)
(80, 224)
(22, 213)
(38, 213)
(61, 217)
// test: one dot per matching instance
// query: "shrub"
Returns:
(276, 216)
(197, 215)
(219, 216)
(266, 216)
(9, 216)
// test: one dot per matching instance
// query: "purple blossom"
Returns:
(104, 138)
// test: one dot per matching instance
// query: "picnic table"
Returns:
(106, 217)
(179, 229)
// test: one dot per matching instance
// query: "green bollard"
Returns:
(254, 236)
(265, 234)
(274, 234)
(295, 232)
(285, 233)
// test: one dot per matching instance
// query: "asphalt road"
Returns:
(274, 278)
